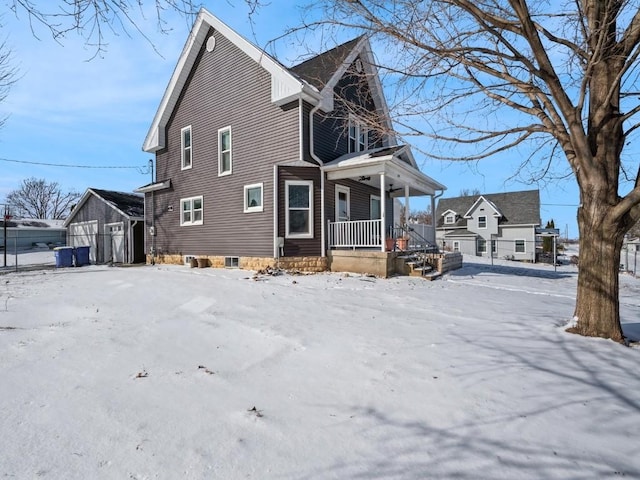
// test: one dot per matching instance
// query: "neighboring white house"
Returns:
(500, 223)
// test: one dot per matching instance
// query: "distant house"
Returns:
(111, 223)
(28, 233)
(500, 223)
(257, 163)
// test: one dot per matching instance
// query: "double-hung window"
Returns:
(186, 150)
(299, 208)
(482, 222)
(224, 151)
(253, 198)
(482, 245)
(520, 246)
(358, 135)
(450, 218)
(191, 211)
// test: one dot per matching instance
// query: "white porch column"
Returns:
(383, 214)
(406, 204)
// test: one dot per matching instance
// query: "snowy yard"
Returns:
(174, 373)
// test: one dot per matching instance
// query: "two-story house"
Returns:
(258, 164)
(499, 224)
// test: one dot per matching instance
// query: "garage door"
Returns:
(85, 233)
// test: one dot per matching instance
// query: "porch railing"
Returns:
(355, 234)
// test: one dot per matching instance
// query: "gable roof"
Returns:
(480, 200)
(312, 80)
(517, 208)
(319, 70)
(284, 85)
(129, 205)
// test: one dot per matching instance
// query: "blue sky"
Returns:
(67, 108)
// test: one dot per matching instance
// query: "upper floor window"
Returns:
(191, 211)
(299, 209)
(358, 135)
(185, 135)
(224, 151)
(520, 246)
(253, 198)
(450, 218)
(482, 222)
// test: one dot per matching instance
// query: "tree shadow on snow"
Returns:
(526, 424)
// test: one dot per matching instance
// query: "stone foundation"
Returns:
(301, 264)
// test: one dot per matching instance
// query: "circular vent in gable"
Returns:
(211, 43)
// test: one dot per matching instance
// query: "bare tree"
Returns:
(558, 78)
(467, 192)
(96, 20)
(37, 198)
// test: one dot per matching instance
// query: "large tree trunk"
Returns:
(597, 307)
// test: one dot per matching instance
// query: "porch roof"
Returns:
(394, 162)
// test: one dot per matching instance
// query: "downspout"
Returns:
(323, 248)
(433, 214)
(132, 243)
(276, 202)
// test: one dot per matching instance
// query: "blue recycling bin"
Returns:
(64, 256)
(82, 255)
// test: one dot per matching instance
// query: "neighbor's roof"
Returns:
(128, 204)
(517, 208)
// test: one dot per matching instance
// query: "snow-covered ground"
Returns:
(169, 372)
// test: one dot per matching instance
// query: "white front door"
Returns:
(343, 203)
(114, 242)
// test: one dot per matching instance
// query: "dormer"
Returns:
(450, 217)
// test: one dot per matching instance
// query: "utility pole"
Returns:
(6, 218)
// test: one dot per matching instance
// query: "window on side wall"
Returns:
(456, 246)
(191, 210)
(186, 150)
(224, 151)
(482, 222)
(358, 135)
(253, 198)
(482, 245)
(520, 246)
(299, 209)
(374, 207)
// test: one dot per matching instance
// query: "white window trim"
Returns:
(183, 148)
(347, 192)
(485, 221)
(260, 208)
(478, 245)
(220, 132)
(456, 245)
(358, 127)
(371, 199)
(191, 199)
(309, 183)
(450, 219)
(515, 245)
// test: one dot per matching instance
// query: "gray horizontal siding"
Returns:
(226, 88)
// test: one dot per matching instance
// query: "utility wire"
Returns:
(68, 165)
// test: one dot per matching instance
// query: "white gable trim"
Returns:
(477, 202)
(285, 87)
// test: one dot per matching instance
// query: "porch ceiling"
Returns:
(366, 167)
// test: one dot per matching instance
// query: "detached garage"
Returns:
(111, 224)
